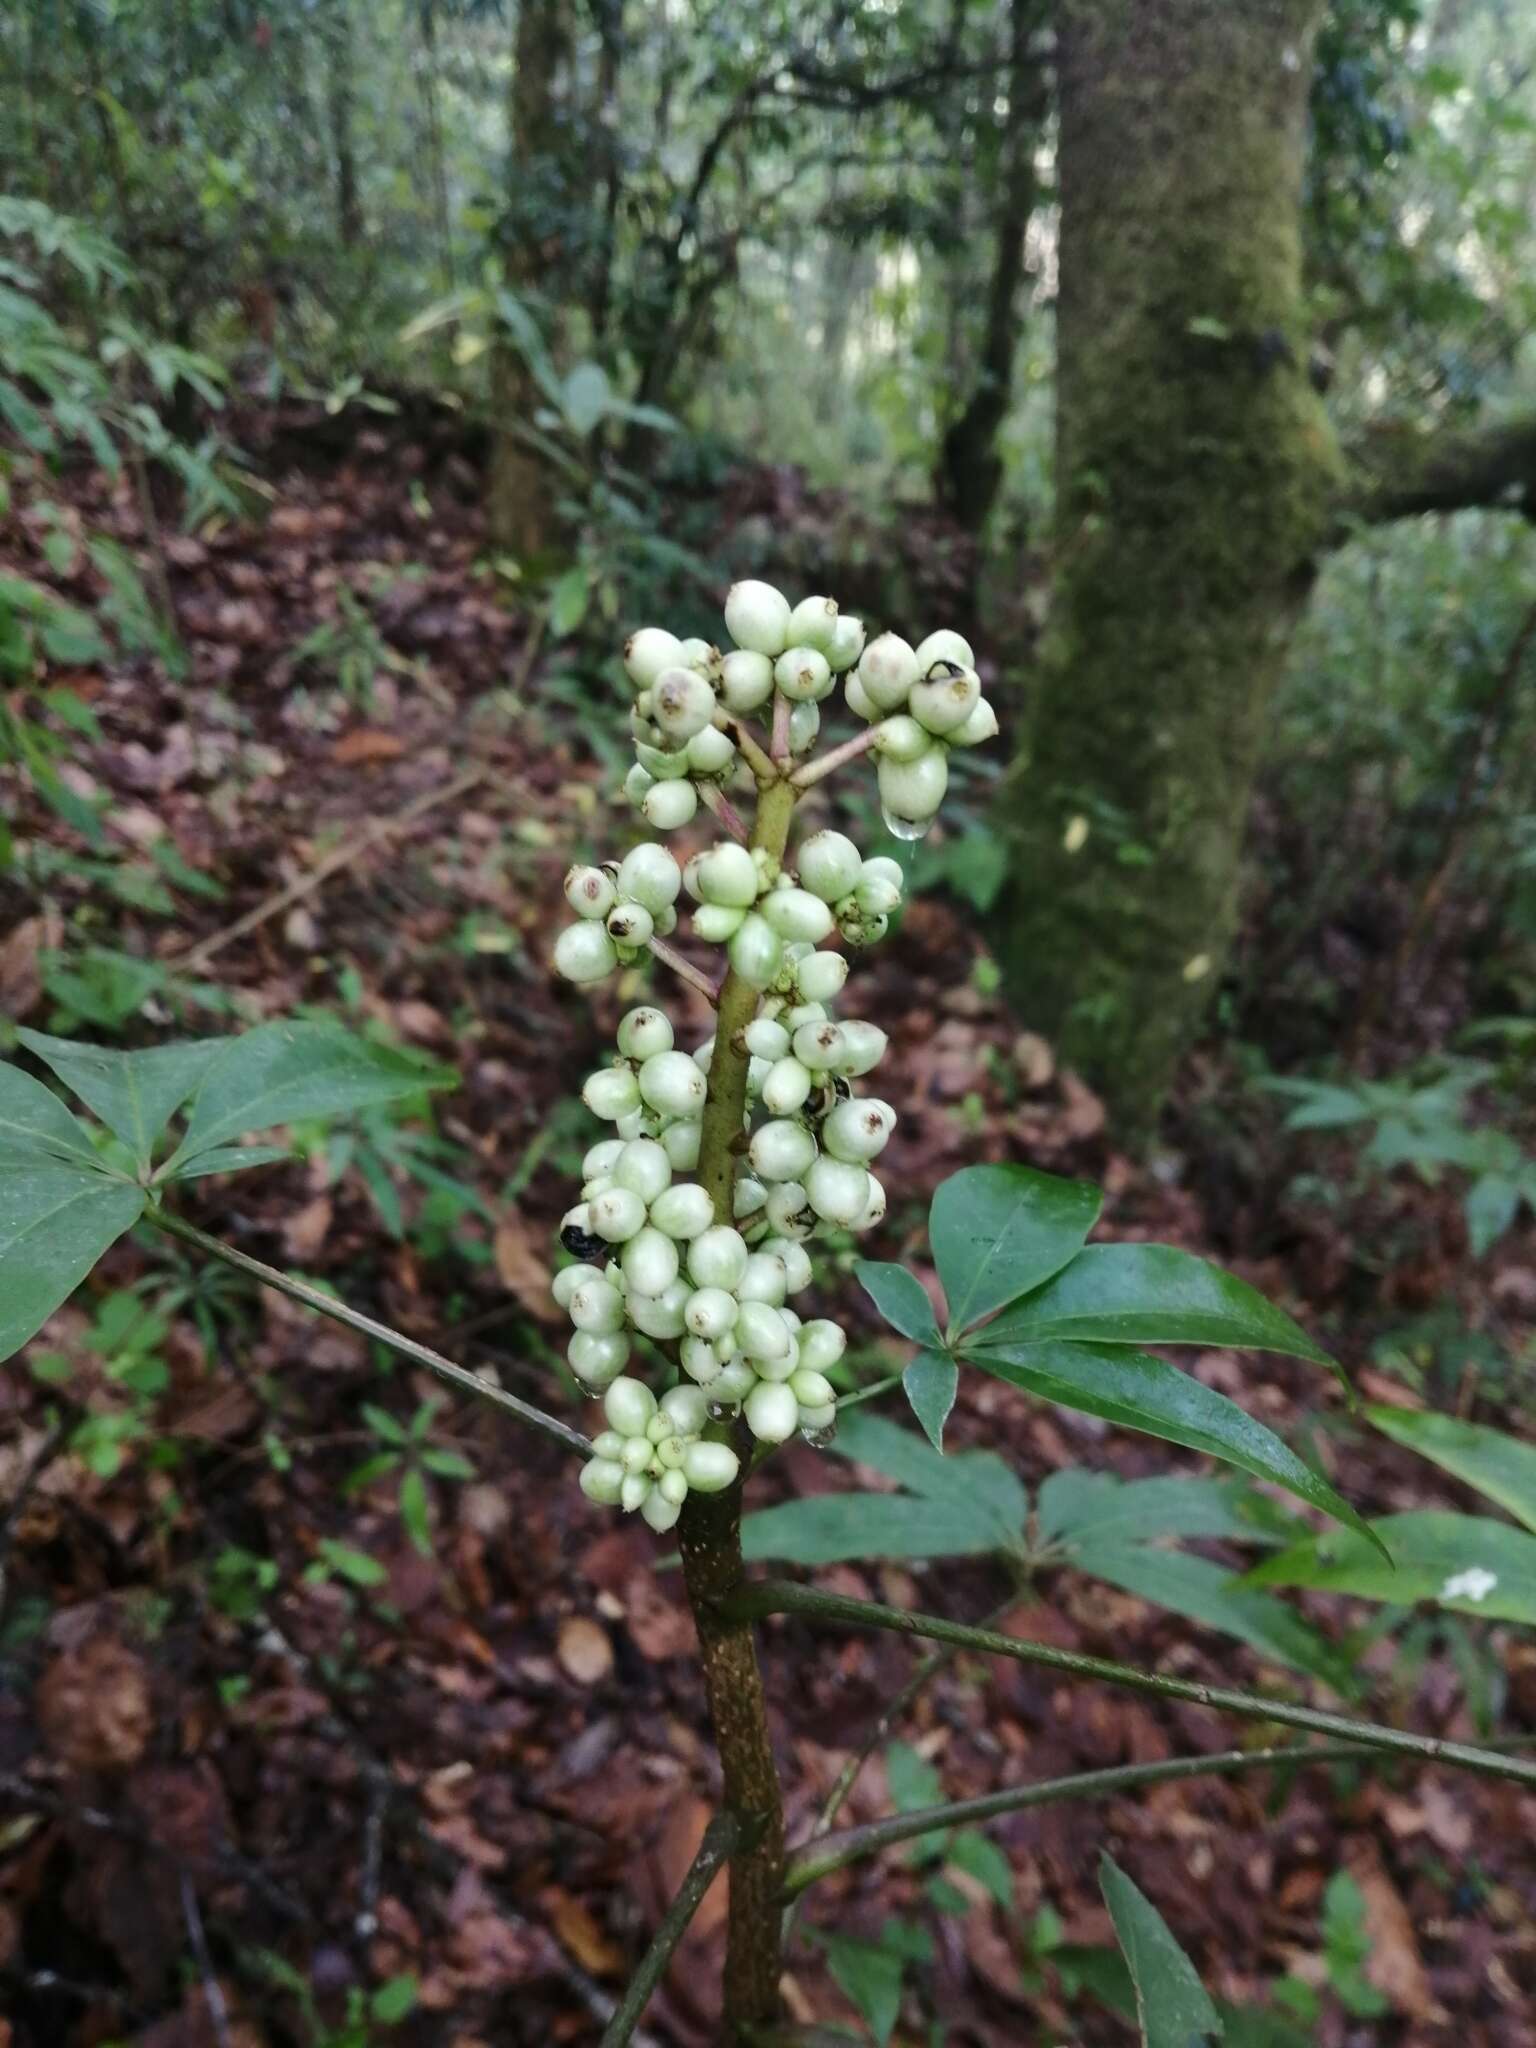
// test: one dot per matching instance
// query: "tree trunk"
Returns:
(1195, 470)
(520, 509)
(340, 59)
(970, 468)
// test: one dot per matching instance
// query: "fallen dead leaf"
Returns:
(354, 749)
(584, 1650)
(1394, 1965)
(576, 1930)
(93, 1706)
(523, 1271)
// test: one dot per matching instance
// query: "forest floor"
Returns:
(229, 1768)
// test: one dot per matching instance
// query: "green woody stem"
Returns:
(709, 1537)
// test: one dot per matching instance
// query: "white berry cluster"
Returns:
(654, 1259)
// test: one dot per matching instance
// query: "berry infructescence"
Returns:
(653, 1260)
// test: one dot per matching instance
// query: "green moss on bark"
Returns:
(1195, 474)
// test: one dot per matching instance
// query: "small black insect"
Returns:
(581, 1244)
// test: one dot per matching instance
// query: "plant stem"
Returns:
(778, 745)
(752, 753)
(709, 1539)
(683, 968)
(834, 758)
(781, 1596)
(869, 1393)
(339, 1312)
(716, 800)
(819, 1858)
(721, 1840)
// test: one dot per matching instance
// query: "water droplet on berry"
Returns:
(904, 828)
(818, 1439)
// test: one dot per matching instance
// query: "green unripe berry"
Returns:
(710, 1313)
(672, 1084)
(813, 623)
(608, 1444)
(650, 875)
(772, 1412)
(597, 1357)
(702, 655)
(943, 646)
(585, 953)
(734, 1382)
(804, 724)
(881, 868)
(781, 1151)
(662, 764)
(859, 701)
(874, 1207)
(887, 670)
(604, 1155)
(710, 752)
(766, 1039)
(789, 1212)
(757, 617)
(847, 643)
(630, 925)
(822, 1344)
(649, 1262)
(795, 1258)
(812, 1389)
(629, 1406)
(648, 653)
(837, 1190)
(682, 703)
(635, 1491)
(901, 738)
(795, 914)
(858, 1130)
(978, 728)
(747, 1197)
(668, 805)
(710, 1467)
(597, 1306)
(590, 892)
(755, 951)
(913, 790)
(864, 1046)
(638, 784)
(786, 1087)
(803, 675)
(683, 1211)
(698, 1359)
(727, 875)
(819, 1422)
(717, 922)
(644, 1166)
(658, 1315)
(759, 1331)
(686, 1409)
(819, 1047)
(601, 1480)
(680, 1142)
(566, 1282)
(945, 699)
(877, 897)
(763, 1279)
(673, 1487)
(717, 1257)
(643, 1032)
(617, 1214)
(830, 865)
(636, 1454)
(746, 681)
(819, 976)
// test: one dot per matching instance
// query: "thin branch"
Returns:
(752, 753)
(685, 969)
(780, 1596)
(721, 1840)
(779, 745)
(834, 758)
(381, 1333)
(869, 1393)
(818, 1859)
(213, 1991)
(716, 800)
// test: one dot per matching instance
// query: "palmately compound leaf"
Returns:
(1173, 2008)
(900, 1298)
(280, 1073)
(134, 1093)
(34, 1124)
(1138, 1391)
(56, 1220)
(998, 1231)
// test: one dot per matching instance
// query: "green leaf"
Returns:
(347, 1563)
(134, 1093)
(1076, 1507)
(1219, 1599)
(585, 397)
(56, 1220)
(930, 1382)
(1151, 1294)
(913, 1783)
(34, 1124)
(869, 1977)
(393, 2001)
(966, 1478)
(280, 1073)
(1491, 1205)
(998, 1231)
(900, 1298)
(231, 1159)
(1468, 1563)
(568, 602)
(1495, 1463)
(1173, 2009)
(1141, 1392)
(980, 1857)
(414, 1511)
(833, 1528)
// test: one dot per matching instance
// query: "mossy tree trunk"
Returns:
(1196, 475)
(535, 230)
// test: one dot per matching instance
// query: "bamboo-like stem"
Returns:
(819, 1858)
(834, 758)
(367, 1326)
(721, 1840)
(684, 969)
(709, 1540)
(780, 1596)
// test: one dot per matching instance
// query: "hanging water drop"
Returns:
(905, 828)
(818, 1439)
